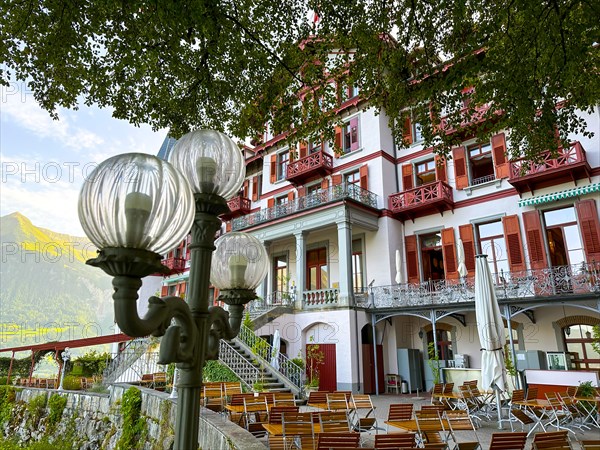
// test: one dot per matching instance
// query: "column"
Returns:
(263, 289)
(345, 262)
(300, 267)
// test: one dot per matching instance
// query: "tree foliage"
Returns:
(235, 65)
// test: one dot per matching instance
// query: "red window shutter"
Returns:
(412, 263)
(499, 152)
(273, 168)
(182, 288)
(324, 183)
(449, 251)
(336, 179)
(303, 149)
(468, 239)
(228, 226)
(338, 141)
(407, 177)
(271, 202)
(535, 240)
(164, 290)
(353, 134)
(364, 177)
(514, 244)
(301, 191)
(245, 188)
(290, 196)
(587, 212)
(460, 168)
(255, 189)
(440, 168)
(407, 131)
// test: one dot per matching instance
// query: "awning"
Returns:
(554, 196)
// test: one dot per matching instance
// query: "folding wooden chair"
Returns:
(519, 415)
(364, 414)
(508, 441)
(438, 389)
(328, 440)
(212, 397)
(559, 418)
(555, 440)
(255, 414)
(394, 440)
(400, 411)
(334, 422)
(284, 399)
(459, 420)
(590, 444)
(317, 399)
(298, 431)
(276, 412)
(532, 393)
(429, 426)
(337, 401)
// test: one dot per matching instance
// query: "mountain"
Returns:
(46, 291)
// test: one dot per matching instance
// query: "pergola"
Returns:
(58, 347)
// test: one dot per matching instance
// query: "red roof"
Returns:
(75, 343)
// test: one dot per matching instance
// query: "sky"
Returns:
(44, 161)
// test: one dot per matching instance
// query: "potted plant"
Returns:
(434, 362)
(314, 358)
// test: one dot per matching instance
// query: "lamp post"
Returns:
(135, 207)
(66, 357)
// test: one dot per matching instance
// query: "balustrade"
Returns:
(320, 298)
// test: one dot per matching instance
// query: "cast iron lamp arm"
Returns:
(178, 343)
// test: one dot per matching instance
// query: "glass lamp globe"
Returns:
(211, 161)
(136, 201)
(238, 262)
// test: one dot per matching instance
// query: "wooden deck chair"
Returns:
(508, 441)
(334, 422)
(212, 397)
(429, 426)
(363, 414)
(276, 412)
(298, 431)
(459, 420)
(557, 440)
(394, 440)
(328, 440)
(337, 401)
(399, 411)
(590, 444)
(284, 399)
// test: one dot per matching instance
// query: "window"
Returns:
(313, 189)
(282, 163)
(444, 344)
(425, 172)
(317, 271)
(492, 243)
(358, 266)
(562, 233)
(432, 256)
(349, 136)
(352, 178)
(578, 340)
(314, 147)
(417, 132)
(481, 163)
(348, 91)
(280, 274)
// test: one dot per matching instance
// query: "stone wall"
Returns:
(95, 421)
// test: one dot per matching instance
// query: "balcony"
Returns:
(580, 281)
(421, 201)
(175, 265)
(570, 165)
(238, 206)
(319, 198)
(315, 165)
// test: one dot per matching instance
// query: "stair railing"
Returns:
(125, 359)
(289, 369)
(244, 369)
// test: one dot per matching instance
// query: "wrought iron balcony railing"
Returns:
(563, 281)
(422, 199)
(321, 197)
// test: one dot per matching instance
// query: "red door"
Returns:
(369, 368)
(327, 370)
(317, 274)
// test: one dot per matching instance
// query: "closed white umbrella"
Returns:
(276, 347)
(398, 278)
(490, 327)
(460, 254)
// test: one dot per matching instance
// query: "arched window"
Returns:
(578, 340)
(444, 343)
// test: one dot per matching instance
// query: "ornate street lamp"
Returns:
(135, 207)
(66, 357)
